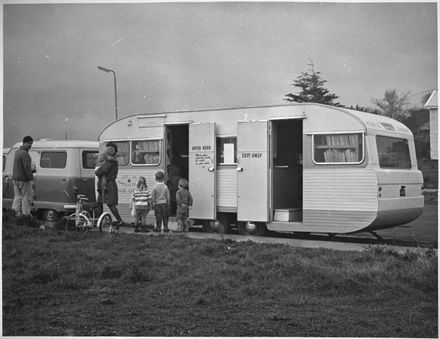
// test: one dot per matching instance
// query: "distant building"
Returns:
(432, 105)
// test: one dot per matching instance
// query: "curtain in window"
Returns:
(146, 152)
(123, 152)
(338, 148)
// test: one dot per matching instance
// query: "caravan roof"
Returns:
(319, 117)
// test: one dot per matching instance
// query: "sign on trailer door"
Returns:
(202, 164)
(252, 171)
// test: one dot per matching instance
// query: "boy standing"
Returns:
(161, 201)
(183, 200)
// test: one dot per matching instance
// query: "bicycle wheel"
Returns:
(69, 222)
(83, 223)
(77, 222)
(105, 220)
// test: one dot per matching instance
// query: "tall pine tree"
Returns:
(312, 89)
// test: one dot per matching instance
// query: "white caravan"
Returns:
(290, 168)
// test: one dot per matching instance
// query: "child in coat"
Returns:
(141, 201)
(161, 202)
(183, 200)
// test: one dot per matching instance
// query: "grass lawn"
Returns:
(93, 284)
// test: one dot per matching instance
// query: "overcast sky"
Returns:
(180, 56)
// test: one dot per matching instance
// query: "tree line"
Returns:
(311, 88)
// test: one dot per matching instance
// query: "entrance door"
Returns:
(253, 171)
(202, 165)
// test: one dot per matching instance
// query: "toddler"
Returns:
(183, 200)
(161, 201)
(140, 200)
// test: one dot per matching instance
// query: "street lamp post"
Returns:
(107, 70)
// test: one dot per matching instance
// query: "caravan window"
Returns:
(227, 151)
(145, 152)
(393, 152)
(123, 152)
(338, 148)
(53, 159)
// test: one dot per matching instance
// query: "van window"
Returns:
(53, 159)
(393, 152)
(145, 152)
(227, 151)
(338, 148)
(89, 159)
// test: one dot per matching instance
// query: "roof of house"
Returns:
(432, 101)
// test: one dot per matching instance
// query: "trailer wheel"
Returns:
(221, 225)
(50, 215)
(251, 228)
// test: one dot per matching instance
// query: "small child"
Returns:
(107, 155)
(140, 200)
(183, 200)
(161, 201)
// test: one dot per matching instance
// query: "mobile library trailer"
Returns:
(290, 168)
(64, 168)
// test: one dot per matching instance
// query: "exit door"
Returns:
(253, 171)
(202, 166)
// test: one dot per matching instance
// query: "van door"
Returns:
(253, 171)
(87, 172)
(35, 158)
(202, 165)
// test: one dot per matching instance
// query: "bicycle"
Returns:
(82, 220)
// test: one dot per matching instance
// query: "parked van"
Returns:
(291, 168)
(63, 167)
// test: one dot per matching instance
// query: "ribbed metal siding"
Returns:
(227, 187)
(339, 200)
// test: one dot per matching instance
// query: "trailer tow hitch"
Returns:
(377, 236)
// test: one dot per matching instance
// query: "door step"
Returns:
(287, 214)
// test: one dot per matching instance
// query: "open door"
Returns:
(202, 165)
(253, 171)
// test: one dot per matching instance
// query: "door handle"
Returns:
(211, 169)
(239, 169)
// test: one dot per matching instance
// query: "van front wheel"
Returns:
(251, 228)
(50, 215)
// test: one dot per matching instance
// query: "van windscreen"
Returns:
(393, 152)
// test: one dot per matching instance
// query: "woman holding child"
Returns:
(107, 188)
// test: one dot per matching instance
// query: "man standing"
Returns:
(23, 178)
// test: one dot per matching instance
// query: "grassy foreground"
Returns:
(93, 284)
